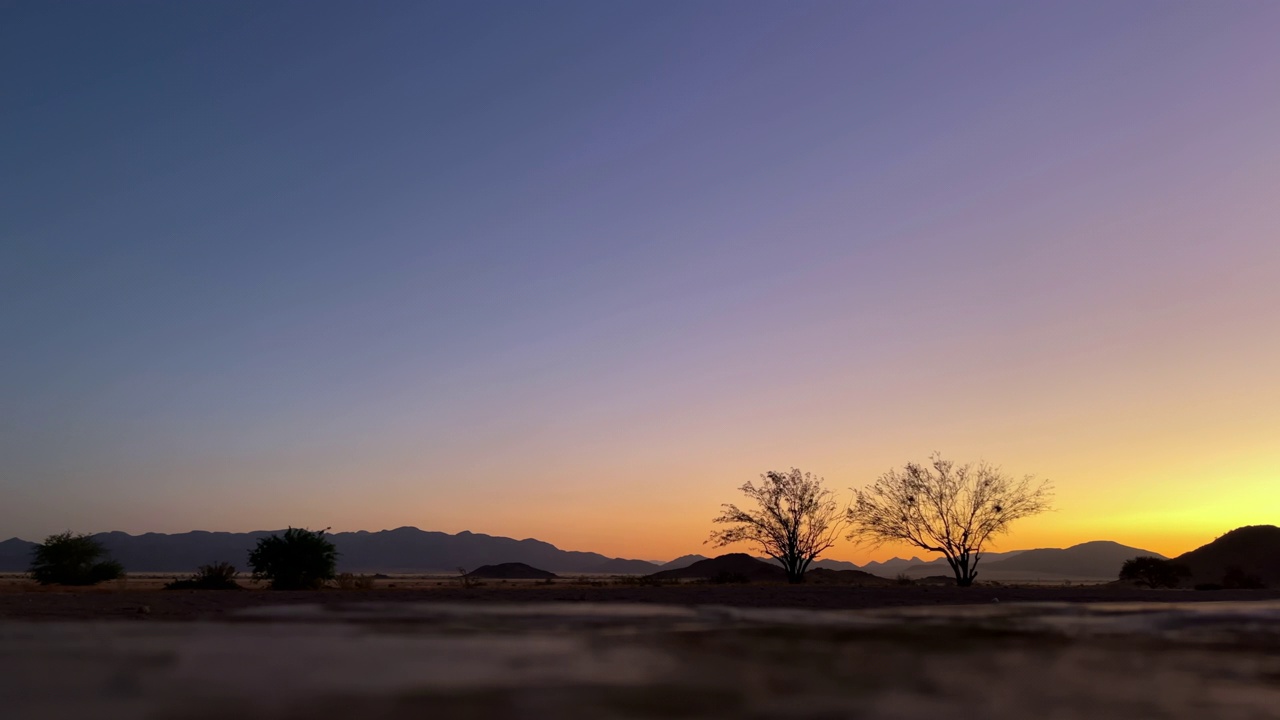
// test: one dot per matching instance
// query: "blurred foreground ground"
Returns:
(376, 659)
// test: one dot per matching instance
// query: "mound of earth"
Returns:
(1251, 551)
(510, 571)
(827, 576)
(734, 567)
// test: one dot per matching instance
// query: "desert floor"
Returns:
(144, 597)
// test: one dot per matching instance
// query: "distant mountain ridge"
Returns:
(404, 549)
(409, 550)
(1100, 558)
(682, 562)
(917, 567)
(1090, 561)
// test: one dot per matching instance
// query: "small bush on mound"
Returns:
(347, 581)
(1154, 572)
(904, 579)
(300, 559)
(218, 576)
(70, 559)
(728, 578)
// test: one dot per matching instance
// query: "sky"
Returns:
(578, 270)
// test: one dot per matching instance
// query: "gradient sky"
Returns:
(576, 271)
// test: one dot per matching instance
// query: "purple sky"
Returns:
(578, 270)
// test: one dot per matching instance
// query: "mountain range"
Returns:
(1091, 561)
(409, 549)
(404, 549)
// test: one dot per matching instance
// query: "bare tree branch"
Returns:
(946, 509)
(796, 521)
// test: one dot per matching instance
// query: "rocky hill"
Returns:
(736, 567)
(511, 571)
(1253, 550)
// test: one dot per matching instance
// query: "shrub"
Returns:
(468, 580)
(300, 559)
(642, 580)
(1237, 579)
(71, 559)
(904, 579)
(1154, 572)
(725, 577)
(347, 581)
(218, 576)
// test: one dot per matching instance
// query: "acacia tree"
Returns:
(797, 518)
(1154, 572)
(945, 508)
(71, 559)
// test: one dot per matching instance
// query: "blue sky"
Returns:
(529, 268)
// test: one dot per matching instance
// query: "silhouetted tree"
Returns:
(1154, 572)
(945, 508)
(301, 559)
(797, 519)
(71, 559)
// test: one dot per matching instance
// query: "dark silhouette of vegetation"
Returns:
(795, 521)
(300, 559)
(945, 508)
(348, 581)
(467, 579)
(642, 580)
(71, 559)
(218, 576)
(1154, 572)
(1236, 578)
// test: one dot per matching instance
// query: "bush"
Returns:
(1154, 572)
(725, 577)
(347, 581)
(642, 580)
(1237, 579)
(218, 576)
(468, 580)
(904, 579)
(300, 559)
(70, 559)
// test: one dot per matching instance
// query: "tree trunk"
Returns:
(961, 570)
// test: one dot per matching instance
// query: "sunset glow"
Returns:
(520, 273)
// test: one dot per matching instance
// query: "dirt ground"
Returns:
(141, 598)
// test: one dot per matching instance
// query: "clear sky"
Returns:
(576, 271)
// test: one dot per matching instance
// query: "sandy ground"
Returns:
(616, 661)
(141, 598)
